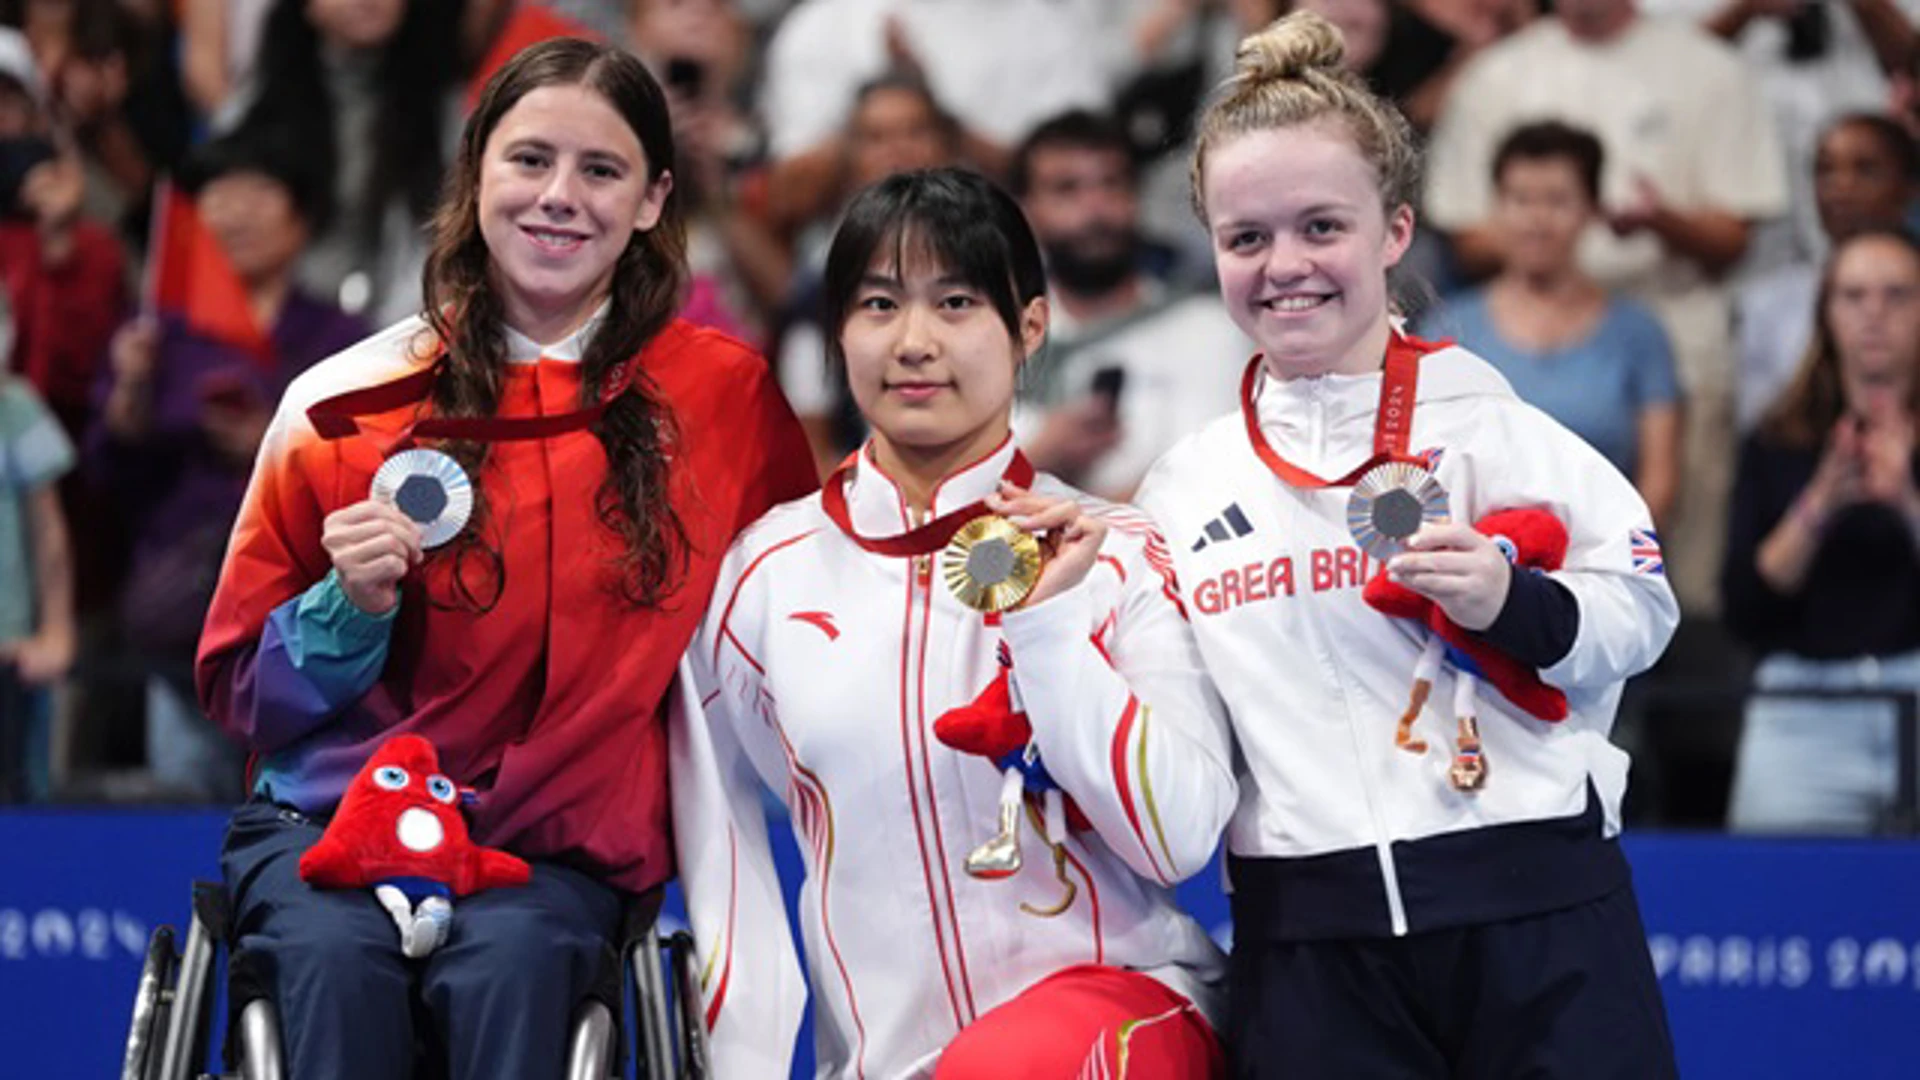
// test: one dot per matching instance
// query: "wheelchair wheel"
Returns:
(152, 1003)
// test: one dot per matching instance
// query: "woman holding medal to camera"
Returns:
(911, 669)
(1451, 902)
(495, 526)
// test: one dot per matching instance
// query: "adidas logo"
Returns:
(1230, 525)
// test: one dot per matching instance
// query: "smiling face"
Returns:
(563, 187)
(930, 361)
(1302, 247)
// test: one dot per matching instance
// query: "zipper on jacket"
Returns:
(1382, 845)
(946, 919)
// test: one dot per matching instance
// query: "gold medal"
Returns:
(1390, 503)
(991, 564)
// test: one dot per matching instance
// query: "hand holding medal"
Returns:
(372, 545)
(1030, 548)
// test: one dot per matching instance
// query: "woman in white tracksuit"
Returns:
(833, 647)
(1391, 918)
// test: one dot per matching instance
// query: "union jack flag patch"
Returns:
(1644, 545)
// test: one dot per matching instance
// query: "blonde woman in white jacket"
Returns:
(1451, 903)
(833, 647)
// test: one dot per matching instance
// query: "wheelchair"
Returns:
(174, 1003)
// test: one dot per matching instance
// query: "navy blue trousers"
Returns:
(497, 997)
(1566, 995)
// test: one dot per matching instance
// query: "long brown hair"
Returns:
(466, 313)
(1816, 399)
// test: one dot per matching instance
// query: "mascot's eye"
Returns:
(391, 777)
(1506, 546)
(440, 788)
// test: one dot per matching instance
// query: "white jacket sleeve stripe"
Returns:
(1122, 735)
(734, 904)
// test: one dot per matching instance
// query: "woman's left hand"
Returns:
(1072, 540)
(1457, 568)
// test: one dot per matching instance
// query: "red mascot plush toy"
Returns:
(399, 831)
(1534, 541)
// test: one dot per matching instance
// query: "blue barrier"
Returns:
(1779, 958)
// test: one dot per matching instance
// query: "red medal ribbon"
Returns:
(1393, 419)
(929, 537)
(335, 417)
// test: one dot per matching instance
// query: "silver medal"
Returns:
(430, 488)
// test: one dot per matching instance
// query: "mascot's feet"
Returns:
(422, 930)
(1469, 769)
(1403, 736)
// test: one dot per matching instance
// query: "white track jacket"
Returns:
(1338, 832)
(820, 672)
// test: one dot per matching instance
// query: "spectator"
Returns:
(111, 84)
(37, 635)
(372, 88)
(1693, 161)
(741, 272)
(63, 275)
(1823, 560)
(1815, 60)
(1118, 382)
(896, 126)
(1866, 174)
(1000, 65)
(180, 425)
(1428, 44)
(1597, 362)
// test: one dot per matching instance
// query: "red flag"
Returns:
(530, 24)
(189, 275)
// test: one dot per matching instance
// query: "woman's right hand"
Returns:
(373, 546)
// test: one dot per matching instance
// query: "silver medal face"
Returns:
(1390, 503)
(430, 488)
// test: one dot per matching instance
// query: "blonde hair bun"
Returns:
(1289, 48)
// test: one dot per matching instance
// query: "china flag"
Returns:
(530, 24)
(189, 276)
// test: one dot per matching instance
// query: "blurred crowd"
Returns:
(1684, 228)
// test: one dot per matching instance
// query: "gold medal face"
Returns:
(990, 564)
(1390, 503)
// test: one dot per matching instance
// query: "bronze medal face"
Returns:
(990, 564)
(430, 488)
(1390, 503)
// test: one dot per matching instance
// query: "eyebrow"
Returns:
(534, 142)
(1315, 210)
(885, 281)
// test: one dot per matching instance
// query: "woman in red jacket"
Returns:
(613, 452)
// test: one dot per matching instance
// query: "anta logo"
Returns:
(1325, 570)
(819, 620)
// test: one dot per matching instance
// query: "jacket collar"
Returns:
(878, 507)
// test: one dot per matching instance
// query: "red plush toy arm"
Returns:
(329, 865)
(487, 868)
